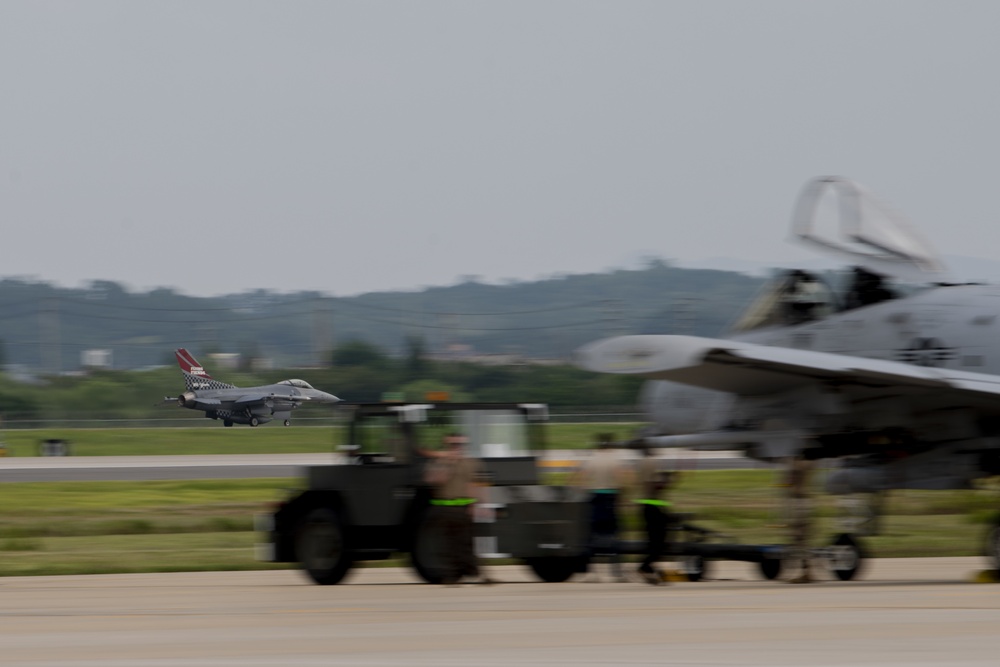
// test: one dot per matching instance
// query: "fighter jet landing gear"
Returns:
(844, 557)
(227, 423)
(288, 422)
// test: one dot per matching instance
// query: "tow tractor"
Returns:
(373, 504)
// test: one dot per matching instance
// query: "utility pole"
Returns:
(322, 332)
(50, 349)
(685, 317)
(614, 316)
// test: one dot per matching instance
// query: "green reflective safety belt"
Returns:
(653, 501)
(452, 502)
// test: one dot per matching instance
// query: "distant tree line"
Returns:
(46, 328)
(356, 371)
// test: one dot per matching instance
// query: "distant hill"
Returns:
(46, 328)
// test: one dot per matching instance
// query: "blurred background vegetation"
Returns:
(102, 352)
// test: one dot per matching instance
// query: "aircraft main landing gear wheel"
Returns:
(553, 569)
(845, 557)
(321, 549)
(695, 568)
(227, 423)
(254, 421)
(288, 422)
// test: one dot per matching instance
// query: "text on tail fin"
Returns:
(189, 364)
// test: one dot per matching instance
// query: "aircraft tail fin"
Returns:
(195, 376)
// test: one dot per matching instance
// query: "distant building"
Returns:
(229, 361)
(97, 358)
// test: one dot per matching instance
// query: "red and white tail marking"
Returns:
(189, 364)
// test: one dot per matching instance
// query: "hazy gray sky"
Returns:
(358, 146)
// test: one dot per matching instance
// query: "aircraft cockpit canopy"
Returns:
(301, 384)
(797, 297)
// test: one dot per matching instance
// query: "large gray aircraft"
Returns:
(900, 385)
(243, 405)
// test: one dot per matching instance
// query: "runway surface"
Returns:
(905, 612)
(246, 466)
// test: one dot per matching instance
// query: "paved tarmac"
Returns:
(246, 466)
(905, 612)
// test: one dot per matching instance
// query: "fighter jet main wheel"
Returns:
(845, 556)
(254, 421)
(227, 423)
(553, 569)
(288, 422)
(694, 567)
(320, 547)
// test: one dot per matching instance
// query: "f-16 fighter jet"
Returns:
(242, 405)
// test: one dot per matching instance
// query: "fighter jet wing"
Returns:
(749, 369)
(254, 399)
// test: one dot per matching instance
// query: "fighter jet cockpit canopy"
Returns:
(840, 217)
(301, 384)
(798, 296)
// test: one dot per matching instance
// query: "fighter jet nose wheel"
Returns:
(321, 549)
(288, 422)
(845, 557)
(254, 421)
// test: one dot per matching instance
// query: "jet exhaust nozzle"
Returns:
(186, 400)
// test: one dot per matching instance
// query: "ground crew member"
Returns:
(604, 476)
(456, 482)
(799, 519)
(651, 484)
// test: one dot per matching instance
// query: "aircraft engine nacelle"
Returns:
(681, 409)
(187, 400)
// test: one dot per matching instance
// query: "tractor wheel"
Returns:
(553, 569)
(321, 548)
(993, 546)
(770, 568)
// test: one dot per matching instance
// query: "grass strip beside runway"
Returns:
(269, 439)
(103, 527)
